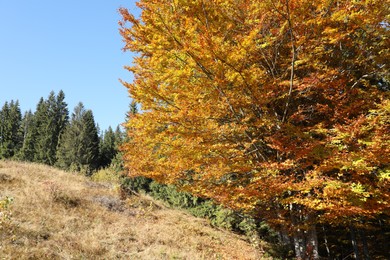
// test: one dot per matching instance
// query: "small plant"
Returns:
(59, 196)
(106, 175)
(5, 213)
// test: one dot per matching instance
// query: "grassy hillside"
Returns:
(58, 215)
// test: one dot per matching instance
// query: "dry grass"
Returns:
(58, 215)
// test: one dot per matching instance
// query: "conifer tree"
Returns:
(51, 118)
(62, 113)
(133, 109)
(79, 144)
(107, 147)
(29, 132)
(4, 131)
(16, 120)
(10, 135)
(119, 136)
(41, 125)
(90, 140)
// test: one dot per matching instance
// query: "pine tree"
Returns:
(10, 135)
(27, 150)
(107, 147)
(90, 140)
(51, 118)
(4, 131)
(119, 136)
(62, 114)
(78, 148)
(16, 133)
(41, 125)
(133, 109)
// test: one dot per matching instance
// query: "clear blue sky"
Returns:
(73, 45)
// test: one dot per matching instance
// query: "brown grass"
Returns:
(58, 215)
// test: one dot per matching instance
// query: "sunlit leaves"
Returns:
(262, 105)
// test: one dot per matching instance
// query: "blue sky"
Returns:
(73, 45)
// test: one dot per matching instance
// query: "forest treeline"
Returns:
(53, 136)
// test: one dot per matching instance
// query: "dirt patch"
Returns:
(111, 203)
(5, 178)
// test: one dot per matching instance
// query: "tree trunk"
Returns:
(365, 245)
(354, 243)
(312, 243)
(284, 238)
(326, 242)
(384, 239)
(299, 244)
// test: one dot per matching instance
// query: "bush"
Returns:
(58, 195)
(136, 184)
(169, 193)
(226, 218)
(5, 212)
(204, 209)
(106, 175)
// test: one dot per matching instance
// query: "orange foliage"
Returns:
(265, 106)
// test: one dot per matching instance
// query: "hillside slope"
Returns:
(58, 215)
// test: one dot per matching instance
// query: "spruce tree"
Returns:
(10, 135)
(16, 133)
(27, 151)
(78, 148)
(5, 130)
(62, 114)
(133, 110)
(41, 121)
(119, 136)
(90, 140)
(51, 117)
(107, 147)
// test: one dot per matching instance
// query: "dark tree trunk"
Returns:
(312, 243)
(365, 245)
(299, 244)
(326, 242)
(354, 243)
(284, 238)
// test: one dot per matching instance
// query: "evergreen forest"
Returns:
(53, 136)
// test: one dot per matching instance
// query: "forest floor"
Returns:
(60, 215)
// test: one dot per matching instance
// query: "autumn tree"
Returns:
(276, 108)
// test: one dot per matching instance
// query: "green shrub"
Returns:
(106, 175)
(225, 218)
(170, 194)
(204, 209)
(135, 184)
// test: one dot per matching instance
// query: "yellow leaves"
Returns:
(213, 77)
(384, 175)
(360, 191)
